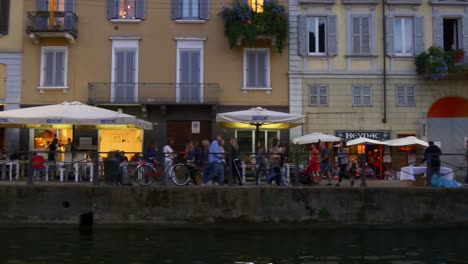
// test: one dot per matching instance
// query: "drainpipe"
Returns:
(384, 30)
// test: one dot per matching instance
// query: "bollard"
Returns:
(30, 170)
(363, 174)
(296, 170)
(96, 168)
(229, 169)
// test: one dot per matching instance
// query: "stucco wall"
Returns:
(169, 205)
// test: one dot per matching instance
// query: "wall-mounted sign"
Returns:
(195, 127)
(349, 134)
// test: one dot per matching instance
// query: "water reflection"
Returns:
(64, 244)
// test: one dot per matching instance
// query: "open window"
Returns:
(451, 33)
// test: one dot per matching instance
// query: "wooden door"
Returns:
(181, 132)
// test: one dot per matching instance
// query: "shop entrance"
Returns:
(181, 131)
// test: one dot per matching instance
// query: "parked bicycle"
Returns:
(147, 172)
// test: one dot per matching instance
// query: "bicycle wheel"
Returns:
(180, 174)
(145, 175)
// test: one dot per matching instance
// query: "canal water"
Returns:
(228, 244)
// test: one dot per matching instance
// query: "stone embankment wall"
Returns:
(189, 205)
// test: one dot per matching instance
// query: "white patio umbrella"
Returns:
(257, 117)
(406, 141)
(363, 140)
(68, 114)
(314, 138)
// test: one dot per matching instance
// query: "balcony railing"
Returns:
(52, 24)
(152, 93)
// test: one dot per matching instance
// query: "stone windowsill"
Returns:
(53, 88)
(128, 21)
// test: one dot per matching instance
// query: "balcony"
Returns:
(52, 24)
(153, 93)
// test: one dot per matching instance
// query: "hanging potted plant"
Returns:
(436, 64)
(240, 21)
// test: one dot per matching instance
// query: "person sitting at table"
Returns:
(368, 171)
(38, 163)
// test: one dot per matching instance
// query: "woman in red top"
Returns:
(313, 167)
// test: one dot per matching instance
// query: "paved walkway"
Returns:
(323, 184)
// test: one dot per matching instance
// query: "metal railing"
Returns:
(152, 93)
(87, 166)
(52, 21)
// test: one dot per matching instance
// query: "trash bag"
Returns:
(439, 180)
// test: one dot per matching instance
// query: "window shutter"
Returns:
(365, 35)
(465, 36)
(437, 23)
(70, 5)
(302, 35)
(119, 66)
(261, 69)
(184, 75)
(356, 35)
(130, 67)
(389, 38)
(48, 68)
(419, 35)
(69, 10)
(331, 40)
(205, 9)
(176, 9)
(251, 69)
(59, 68)
(140, 9)
(195, 75)
(42, 5)
(112, 9)
(4, 16)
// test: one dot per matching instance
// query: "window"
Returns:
(362, 95)
(126, 9)
(405, 95)
(318, 95)
(256, 68)
(190, 9)
(404, 32)
(4, 16)
(317, 35)
(257, 5)
(451, 34)
(54, 67)
(360, 33)
(246, 139)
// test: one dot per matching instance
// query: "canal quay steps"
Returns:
(67, 204)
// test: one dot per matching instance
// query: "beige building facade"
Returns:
(11, 44)
(166, 62)
(352, 67)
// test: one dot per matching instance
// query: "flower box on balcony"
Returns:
(242, 22)
(438, 64)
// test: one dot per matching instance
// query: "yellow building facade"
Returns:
(11, 44)
(352, 67)
(166, 62)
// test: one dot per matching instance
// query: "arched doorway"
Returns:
(447, 123)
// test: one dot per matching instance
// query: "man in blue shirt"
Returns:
(215, 160)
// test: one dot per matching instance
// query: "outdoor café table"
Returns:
(407, 173)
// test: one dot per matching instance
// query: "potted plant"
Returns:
(436, 64)
(240, 21)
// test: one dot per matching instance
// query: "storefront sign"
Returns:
(348, 134)
(195, 127)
